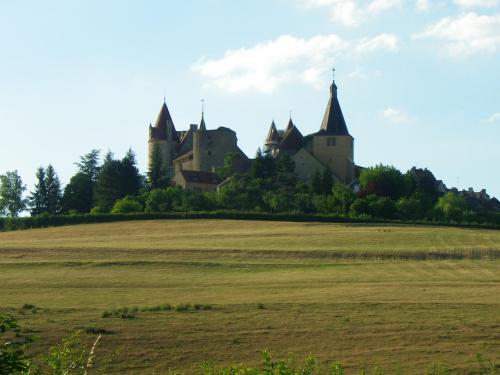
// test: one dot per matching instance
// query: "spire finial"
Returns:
(290, 114)
(333, 71)
(202, 107)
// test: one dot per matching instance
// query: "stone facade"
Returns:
(198, 149)
(332, 147)
(194, 150)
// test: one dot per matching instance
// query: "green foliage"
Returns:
(78, 194)
(54, 195)
(116, 179)
(374, 206)
(158, 174)
(122, 313)
(164, 200)
(127, 205)
(385, 181)
(69, 357)
(12, 358)
(37, 201)
(227, 169)
(451, 206)
(12, 189)
(343, 197)
(89, 165)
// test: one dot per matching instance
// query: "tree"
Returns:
(116, 179)
(78, 194)
(343, 196)
(317, 185)
(326, 181)
(451, 206)
(89, 164)
(424, 182)
(54, 195)
(38, 198)
(129, 174)
(12, 189)
(108, 185)
(158, 172)
(385, 181)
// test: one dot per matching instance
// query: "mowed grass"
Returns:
(399, 297)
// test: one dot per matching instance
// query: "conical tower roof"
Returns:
(162, 124)
(290, 124)
(272, 135)
(292, 140)
(333, 120)
(203, 127)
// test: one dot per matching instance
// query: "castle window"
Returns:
(209, 153)
(330, 141)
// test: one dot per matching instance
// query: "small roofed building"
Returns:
(332, 147)
(197, 181)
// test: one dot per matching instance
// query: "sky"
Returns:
(418, 80)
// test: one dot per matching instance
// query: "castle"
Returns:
(193, 155)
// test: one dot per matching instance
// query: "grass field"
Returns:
(398, 297)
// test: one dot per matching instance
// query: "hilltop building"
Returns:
(332, 147)
(193, 155)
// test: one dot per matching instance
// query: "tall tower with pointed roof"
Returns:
(332, 144)
(163, 136)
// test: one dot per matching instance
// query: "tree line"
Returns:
(270, 185)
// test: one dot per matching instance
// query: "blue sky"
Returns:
(419, 81)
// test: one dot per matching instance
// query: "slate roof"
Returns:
(161, 125)
(202, 127)
(272, 135)
(292, 141)
(333, 121)
(201, 177)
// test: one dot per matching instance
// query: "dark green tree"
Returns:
(385, 181)
(54, 195)
(130, 177)
(158, 176)
(116, 179)
(37, 201)
(78, 194)
(343, 196)
(12, 189)
(108, 184)
(317, 184)
(326, 181)
(89, 164)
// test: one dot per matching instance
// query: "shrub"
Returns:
(127, 205)
(260, 306)
(123, 313)
(12, 357)
(183, 307)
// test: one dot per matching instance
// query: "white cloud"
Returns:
(477, 3)
(350, 12)
(422, 5)
(266, 66)
(397, 116)
(493, 118)
(466, 34)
